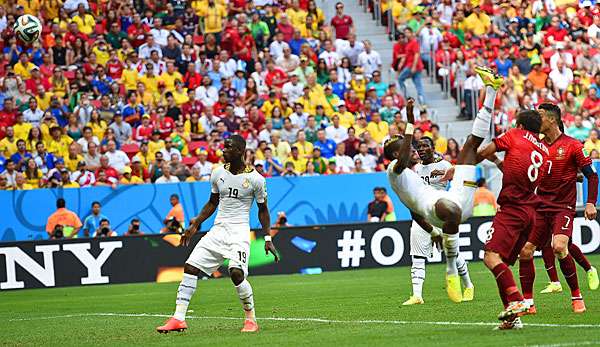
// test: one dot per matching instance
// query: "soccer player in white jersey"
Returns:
(435, 172)
(443, 209)
(234, 187)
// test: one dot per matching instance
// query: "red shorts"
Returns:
(549, 223)
(510, 230)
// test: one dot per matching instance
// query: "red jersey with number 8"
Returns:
(524, 159)
(558, 188)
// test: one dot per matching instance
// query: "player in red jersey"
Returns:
(524, 158)
(558, 193)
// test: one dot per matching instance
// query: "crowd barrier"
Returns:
(306, 201)
(307, 250)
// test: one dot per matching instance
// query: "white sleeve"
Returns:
(260, 189)
(214, 176)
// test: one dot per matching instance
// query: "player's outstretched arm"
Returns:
(489, 152)
(265, 221)
(209, 208)
(405, 149)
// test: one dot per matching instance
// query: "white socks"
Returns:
(482, 123)
(417, 273)
(463, 271)
(490, 98)
(244, 291)
(186, 289)
(450, 243)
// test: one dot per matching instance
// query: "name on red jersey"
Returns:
(529, 137)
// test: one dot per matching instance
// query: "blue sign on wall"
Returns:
(305, 200)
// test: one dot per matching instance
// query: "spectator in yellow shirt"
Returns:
(169, 77)
(128, 178)
(298, 161)
(270, 104)
(478, 22)
(441, 143)
(592, 143)
(296, 15)
(21, 183)
(85, 21)
(23, 66)
(305, 148)
(31, 7)
(347, 119)
(214, 15)
(150, 80)
(21, 128)
(377, 128)
(59, 143)
(8, 145)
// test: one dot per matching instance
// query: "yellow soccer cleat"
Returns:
(552, 287)
(468, 294)
(489, 77)
(413, 300)
(592, 277)
(453, 288)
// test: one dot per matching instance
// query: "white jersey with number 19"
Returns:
(236, 194)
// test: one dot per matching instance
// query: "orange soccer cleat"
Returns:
(250, 326)
(172, 325)
(532, 310)
(578, 306)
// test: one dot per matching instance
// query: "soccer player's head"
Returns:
(529, 120)
(551, 116)
(234, 148)
(391, 148)
(426, 148)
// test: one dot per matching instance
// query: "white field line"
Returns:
(567, 344)
(307, 319)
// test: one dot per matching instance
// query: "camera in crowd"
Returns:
(173, 226)
(58, 233)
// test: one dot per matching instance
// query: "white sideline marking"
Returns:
(566, 344)
(308, 319)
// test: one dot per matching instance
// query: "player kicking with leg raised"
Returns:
(234, 187)
(558, 193)
(433, 171)
(523, 162)
(443, 209)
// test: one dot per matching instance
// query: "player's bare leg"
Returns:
(560, 245)
(244, 291)
(527, 274)
(550, 264)
(185, 291)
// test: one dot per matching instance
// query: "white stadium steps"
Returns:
(443, 110)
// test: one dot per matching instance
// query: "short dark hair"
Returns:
(391, 146)
(435, 126)
(481, 182)
(238, 141)
(60, 203)
(553, 110)
(96, 203)
(428, 139)
(175, 196)
(530, 120)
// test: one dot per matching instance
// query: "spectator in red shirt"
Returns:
(37, 79)
(164, 123)
(412, 67)
(275, 76)
(342, 23)
(137, 31)
(192, 79)
(555, 32)
(193, 106)
(73, 34)
(592, 102)
(8, 115)
(144, 130)
(110, 172)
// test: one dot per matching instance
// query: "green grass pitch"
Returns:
(358, 308)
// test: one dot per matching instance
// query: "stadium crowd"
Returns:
(119, 92)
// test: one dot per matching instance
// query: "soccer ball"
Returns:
(28, 28)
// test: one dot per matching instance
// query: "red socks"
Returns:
(549, 263)
(506, 283)
(577, 254)
(527, 277)
(567, 266)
